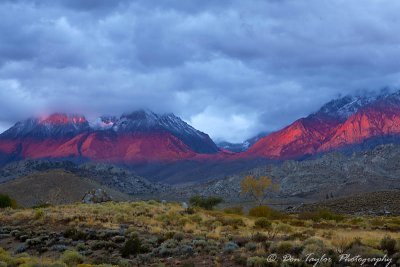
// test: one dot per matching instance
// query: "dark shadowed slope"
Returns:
(53, 186)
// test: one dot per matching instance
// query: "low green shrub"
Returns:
(314, 246)
(365, 251)
(259, 237)
(238, 210)
(234, 222)
(72, 258)
(262, 223)
(266, 212)
(196, 218)
(179, 236)
(284, 228)
(7, 202)
(251, 246)
(283, 247)
(41, 205)
(321, 215)
(133, 246)
(257, 261)
(303, 235)
(75, 234)
(39, 214)
(206, 203)
(388, 244)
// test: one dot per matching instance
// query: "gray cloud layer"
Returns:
(230, 68)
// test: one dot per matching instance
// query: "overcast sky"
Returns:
(229, 68)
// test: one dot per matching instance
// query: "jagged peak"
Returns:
(147, 119)
(141, 114)
(344, 107)
(56, 124)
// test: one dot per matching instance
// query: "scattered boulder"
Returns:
(21, 248)
(59, 248)
(96, 196)
(230, 247)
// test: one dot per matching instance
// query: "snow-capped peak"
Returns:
(344, 107)
(57, 125)
(146, 121)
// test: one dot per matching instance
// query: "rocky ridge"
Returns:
(109, 175)
(331, 175)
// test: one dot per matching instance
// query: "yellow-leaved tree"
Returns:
(258, 188)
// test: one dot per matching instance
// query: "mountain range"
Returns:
(340, 124)
(135, 137)
(143, 136)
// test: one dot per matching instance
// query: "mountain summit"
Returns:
(137, 136)
(341, 123)
(146, 121)
(56, 125)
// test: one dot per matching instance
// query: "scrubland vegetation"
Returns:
(166, 234)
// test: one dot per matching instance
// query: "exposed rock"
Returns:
(59, 248)
(230, 247)
(96, 196)
(21, 248)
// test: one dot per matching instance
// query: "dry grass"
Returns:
(160, 219)
(155, 217)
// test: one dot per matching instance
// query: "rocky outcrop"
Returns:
(96, 196)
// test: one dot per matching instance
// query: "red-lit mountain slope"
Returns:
(136, 137)
(301, 138)
(343, 122)
(55, 136)
(144, 136)
(379, 119)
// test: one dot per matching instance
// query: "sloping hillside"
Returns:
(375, 203)
(333, 175)
(53, 186)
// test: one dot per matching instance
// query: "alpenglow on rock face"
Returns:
(143, 136)
(136, 137)
(145, 121)
(341, 123)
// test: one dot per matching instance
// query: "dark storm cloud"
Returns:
(230, 68)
